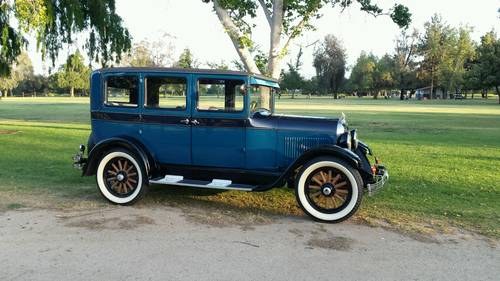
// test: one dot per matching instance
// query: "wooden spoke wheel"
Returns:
(121, 177)
(328, 189)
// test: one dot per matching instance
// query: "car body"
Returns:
(217, 129)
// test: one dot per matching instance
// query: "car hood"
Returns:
(302, 123)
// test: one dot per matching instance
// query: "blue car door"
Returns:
(166, 130)
(218, 121)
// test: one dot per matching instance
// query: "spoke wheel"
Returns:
(121, 177)
(328, 189)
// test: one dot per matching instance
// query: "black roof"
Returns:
(185, 70)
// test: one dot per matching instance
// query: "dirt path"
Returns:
(174, 244)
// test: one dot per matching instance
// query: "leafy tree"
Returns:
(187, 60)
(433, 47)
(487, 66)
(330, 64)
(74, 74)
(460, 50)
(405, 55)
(362, 77)
(287, 20)
(291, 79)
(22, 69)
(383, 75)
(218, 65)
(55, 23)
(151, 53)
(33, 84)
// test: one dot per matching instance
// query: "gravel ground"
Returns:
(130, 243)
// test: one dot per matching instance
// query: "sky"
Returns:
(194, 25)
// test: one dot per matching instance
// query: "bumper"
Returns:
(381, 177)
(79, 161)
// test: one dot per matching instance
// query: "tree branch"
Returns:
(266, 12)
(293, 33)
(234, 35)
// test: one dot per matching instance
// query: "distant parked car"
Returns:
(458, 96)
(219, 130)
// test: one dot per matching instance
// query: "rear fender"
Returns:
(133, 146)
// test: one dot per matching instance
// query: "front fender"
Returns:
(324, 150)
(95, 154)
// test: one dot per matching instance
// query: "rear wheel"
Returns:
(329, 189)
(121, 177)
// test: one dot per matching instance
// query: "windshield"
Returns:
(262, 98)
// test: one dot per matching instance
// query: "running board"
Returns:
(214, 184)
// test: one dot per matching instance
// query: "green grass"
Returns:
(443, 157)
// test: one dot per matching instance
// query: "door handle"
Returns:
(195, 122)
(184, 121)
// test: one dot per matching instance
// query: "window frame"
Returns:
(197, 100)
(105, 88)
(165, 75)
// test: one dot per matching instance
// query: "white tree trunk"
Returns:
(232, 31)
(275, 56)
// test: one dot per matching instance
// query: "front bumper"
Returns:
(79, 162)
(381, 177)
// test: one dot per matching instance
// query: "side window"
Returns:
(166, 92)
(225, 95)
(122, 91)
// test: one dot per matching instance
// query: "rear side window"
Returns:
(122, 91)
(166, 92)
(226, 95)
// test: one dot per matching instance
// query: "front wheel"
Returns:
(329, 189)
(121, 177)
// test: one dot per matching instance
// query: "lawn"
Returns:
(443, 156)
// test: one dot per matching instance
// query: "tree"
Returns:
(287, 20)
(74, 74)
(22, 69)
(292, 80)
(487, 66)
(330, 64)
(405, 64)
(187, 60)
(218, 65)
(433, 47)
(362, 75)
(151, 53)
(460, 50)
(383, 75)
(55, 23)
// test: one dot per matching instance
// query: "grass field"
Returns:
(443, 156)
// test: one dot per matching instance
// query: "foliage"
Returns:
(288, 19)
(405, 55)
(291, 79)
(151, 53)
(21, 70)
(187, 60)
(74, 74)
(55, 23)
(330, 64)
(363, 73)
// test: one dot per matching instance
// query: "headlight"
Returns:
(345, 140)
(354, 139)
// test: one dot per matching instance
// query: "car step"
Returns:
(215, 183)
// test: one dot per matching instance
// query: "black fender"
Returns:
(324, 150)
(95, 154)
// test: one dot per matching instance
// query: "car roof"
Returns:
(184, 70)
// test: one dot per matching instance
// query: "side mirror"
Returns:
(243, 89)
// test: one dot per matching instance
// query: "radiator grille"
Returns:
(295, 146)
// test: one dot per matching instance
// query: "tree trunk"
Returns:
(274, 64)
(335, 95)
(72, 92)
(234, 35)
(498, 93)
(401, 94)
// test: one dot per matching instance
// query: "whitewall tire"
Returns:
(329, 189)
(121, 177)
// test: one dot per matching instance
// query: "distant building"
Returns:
(425, 93)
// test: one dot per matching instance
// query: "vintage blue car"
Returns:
(218, 130)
